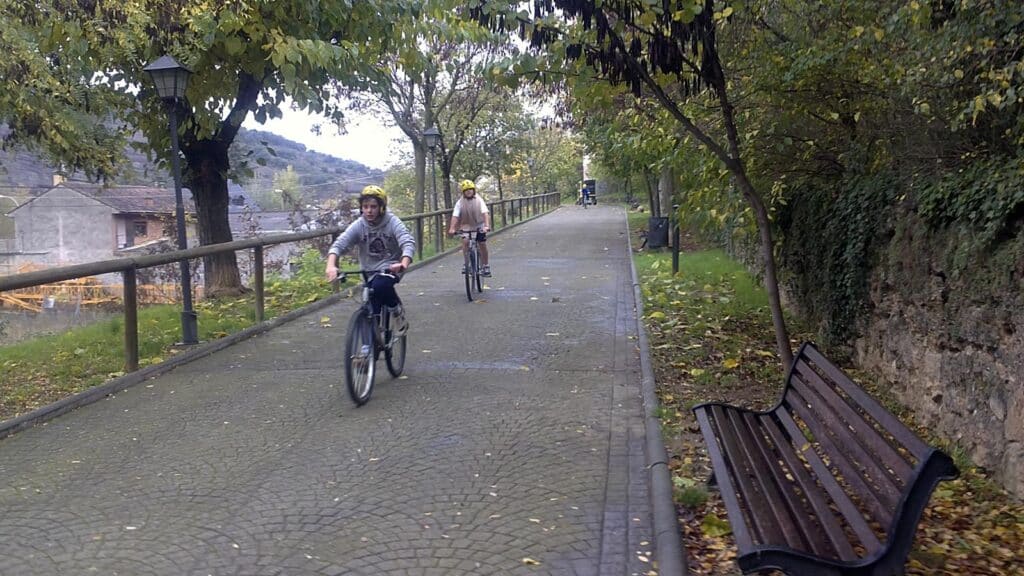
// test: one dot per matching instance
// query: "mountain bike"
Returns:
(370, 334)
(471, 268)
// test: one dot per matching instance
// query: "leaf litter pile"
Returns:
(711, 339)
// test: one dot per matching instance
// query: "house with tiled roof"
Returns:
(78, 222)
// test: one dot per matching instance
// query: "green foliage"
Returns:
(306, 285)
(400, 184)
(854, 112)
(831, 241)
(688, 492)
(697, 312)
(48, 368)
(985, 198)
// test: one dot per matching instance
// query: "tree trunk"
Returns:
(208, 163)
(771, 282)
(446, 179)
(652, 193)
(666, 190)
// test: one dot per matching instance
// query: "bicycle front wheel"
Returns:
(470, 273)
(359, 358)
(394, 355)
(478, 274)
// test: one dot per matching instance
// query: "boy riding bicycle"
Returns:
(470, 214)
(385, 245)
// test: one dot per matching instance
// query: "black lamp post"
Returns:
(432, 136)
(171, 79)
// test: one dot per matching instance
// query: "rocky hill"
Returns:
(264, 154)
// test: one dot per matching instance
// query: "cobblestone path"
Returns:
(512, 445)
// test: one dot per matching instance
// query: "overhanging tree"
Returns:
(248, 58)
(669, 50)
(435, 78)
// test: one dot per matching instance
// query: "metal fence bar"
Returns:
(419, 236)
(131, 321)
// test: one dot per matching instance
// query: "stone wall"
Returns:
(944, 327)
(947, 332)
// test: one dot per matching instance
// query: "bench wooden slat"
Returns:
(891, 424)
(771, 482)
(806, 532)
(876, 443)
(837, 460)
(849, 511)
(725, 482)
(832, 531)
(852, 457)
(745, 477)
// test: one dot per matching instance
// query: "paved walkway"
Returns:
(514, 444)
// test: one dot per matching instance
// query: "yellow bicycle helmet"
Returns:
(466, 185)
(377, 192)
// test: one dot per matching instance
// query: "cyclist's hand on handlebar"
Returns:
(451, 231)
(332, 274)
(485, 229)
(397, 267)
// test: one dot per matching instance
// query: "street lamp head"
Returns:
(433, 137)
(170, 78)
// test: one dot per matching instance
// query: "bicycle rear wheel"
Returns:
(470, 273)
(394, 355)
(360, 367)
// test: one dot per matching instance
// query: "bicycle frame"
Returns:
(472, 245)
(377, 336)
(471, 262)
(379, 321)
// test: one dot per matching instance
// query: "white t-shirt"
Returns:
(470, 213)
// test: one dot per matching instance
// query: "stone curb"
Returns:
(77, 400)
(668, 547)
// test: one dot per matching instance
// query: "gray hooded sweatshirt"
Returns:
(380, 245)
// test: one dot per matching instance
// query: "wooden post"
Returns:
(438, 235)
(258, 257)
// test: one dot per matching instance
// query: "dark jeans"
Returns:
(384, 293)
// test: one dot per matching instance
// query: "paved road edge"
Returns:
(100, 391)
(668, 547)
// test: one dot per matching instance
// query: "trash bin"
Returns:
(657, 232)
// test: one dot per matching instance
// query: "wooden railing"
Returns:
(510, 211)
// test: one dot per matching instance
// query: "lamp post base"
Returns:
(189, 328)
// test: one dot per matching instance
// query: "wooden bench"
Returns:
(826, 482)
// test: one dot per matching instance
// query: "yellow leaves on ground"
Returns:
(714, 526)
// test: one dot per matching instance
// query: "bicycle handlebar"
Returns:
(366, 274)
(467, 233)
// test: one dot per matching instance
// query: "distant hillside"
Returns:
(320, 176)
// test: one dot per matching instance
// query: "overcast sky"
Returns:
(368, 141)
